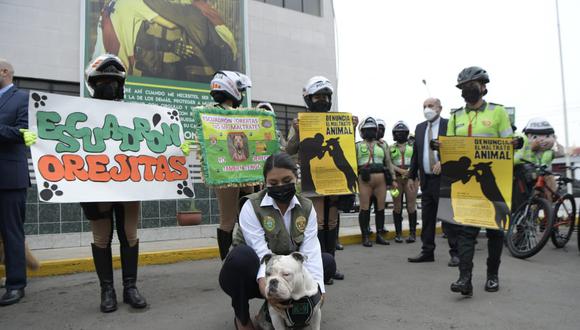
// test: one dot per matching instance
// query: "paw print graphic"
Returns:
(49, 191)
(183, 189)
(39, 100)
(174, 115)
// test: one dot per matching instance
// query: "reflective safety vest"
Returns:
(490, 120)
(370, 153)
(401, 159)
(279, 240)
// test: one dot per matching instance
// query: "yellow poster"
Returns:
(476, 181)
(327, 154)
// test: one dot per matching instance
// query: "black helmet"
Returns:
(473, 73)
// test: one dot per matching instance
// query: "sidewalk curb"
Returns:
(83, 265)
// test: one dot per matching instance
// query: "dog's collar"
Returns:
(300, 313)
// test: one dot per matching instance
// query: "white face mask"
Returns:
(430, 114)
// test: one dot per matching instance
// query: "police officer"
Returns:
(317, 94)
(401, 154)
(483, 119)
(375, 174)
(227, 88)
(105, 80)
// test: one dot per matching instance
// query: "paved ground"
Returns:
(382, 291)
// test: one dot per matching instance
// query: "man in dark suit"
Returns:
(14, 181)
(426, 165)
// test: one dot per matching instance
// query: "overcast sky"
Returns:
(385, 49)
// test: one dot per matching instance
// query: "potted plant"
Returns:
(191, 217)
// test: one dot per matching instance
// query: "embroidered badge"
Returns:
(268, 223)
(301, 224)
(487, 123)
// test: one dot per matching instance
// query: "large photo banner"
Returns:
(476, 181)
(327, 154)
(235, 144)
(96, 151)
(171, 48)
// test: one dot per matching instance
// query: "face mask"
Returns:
(430, 114)
(471, 94)
(381, 133)
(321, 106)
(369, 133)
(400, 137)
(282, 193)
(106, 92)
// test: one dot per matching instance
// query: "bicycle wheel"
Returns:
(564, 219)
(530, 228)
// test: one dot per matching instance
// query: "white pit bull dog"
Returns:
(288, 281)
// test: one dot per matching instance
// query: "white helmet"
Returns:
(266, 106)
(381, 122)
(317, 85)
(368, 122)
(106, 66)
(229, 85)
(539, 126)
(400, 126)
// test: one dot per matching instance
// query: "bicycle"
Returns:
(564, 212)
(533, 218)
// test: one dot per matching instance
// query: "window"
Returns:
(311, 7)
(293, 4)
(284, 116)
(51, 86)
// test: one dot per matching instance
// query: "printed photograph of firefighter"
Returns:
(184, 40)
(238, 146)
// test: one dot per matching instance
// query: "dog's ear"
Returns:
(299, 256)
(266, 258)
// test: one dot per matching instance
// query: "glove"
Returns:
(434, 145)
(29, 137)
(185, 147)
(518, 142)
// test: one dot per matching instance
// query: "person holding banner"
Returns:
(317, 94)
(274, 220)
(481, 119)
(375, 175)
(105, 80)
(14, 181)
(227, 89)
(401, 155)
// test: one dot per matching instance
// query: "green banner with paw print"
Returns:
(235, 144)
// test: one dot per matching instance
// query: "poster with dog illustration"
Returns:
(92, 150)
(476, 181)
(327, 154)
(235, 144)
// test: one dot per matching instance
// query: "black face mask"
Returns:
(381, 133)
(107, 92)
(282, 193)
(471, 94)
(321, 106)
(369, 133)
(400, 137)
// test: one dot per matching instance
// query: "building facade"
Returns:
(288, 42)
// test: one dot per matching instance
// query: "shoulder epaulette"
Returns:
(456, 110)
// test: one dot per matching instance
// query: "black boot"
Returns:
(380, 223)
(129, 262)
(492, 283)
(331, 249)
(224, 239)
(412, 227)
(104, 266)
(339, 246)
(363, 221)
(398, 220)
(322, 233)
(463, 284)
